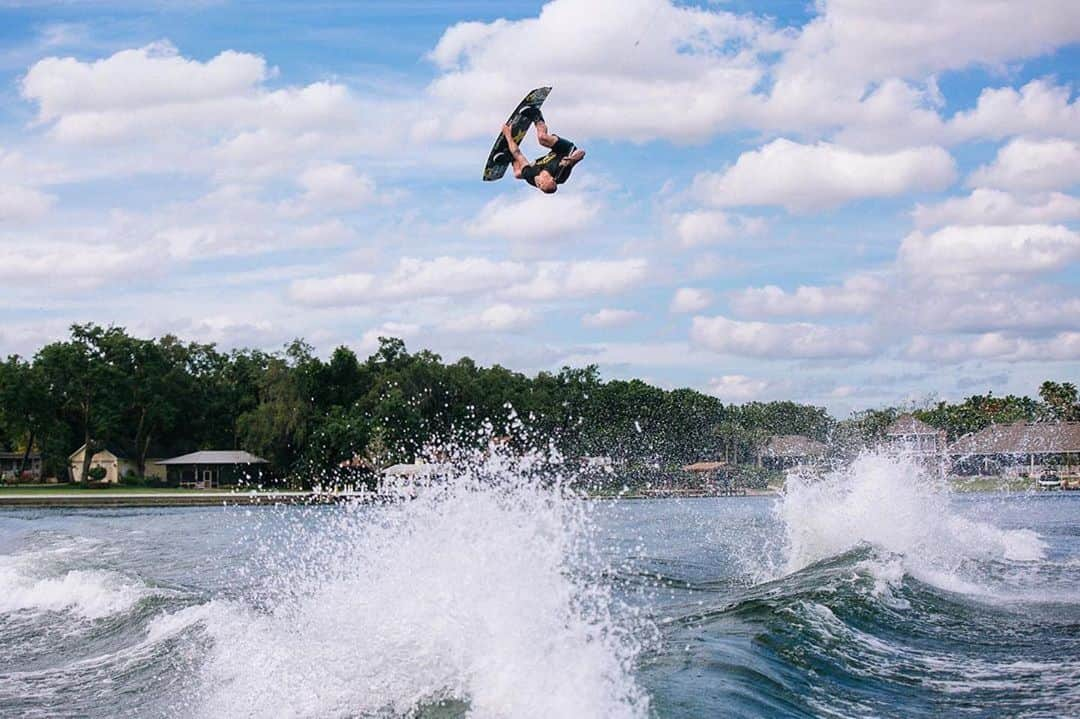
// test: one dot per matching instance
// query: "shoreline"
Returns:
(71, 500)
(68, 500)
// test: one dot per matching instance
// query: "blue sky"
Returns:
(825, 201)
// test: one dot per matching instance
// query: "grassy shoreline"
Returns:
(73, 495)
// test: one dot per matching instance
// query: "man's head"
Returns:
(546, 183)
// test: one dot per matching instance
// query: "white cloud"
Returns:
(1024, 308)
(1038, 108)
(23, 203)
(153, 75)
(341, 290)
(629, 354)
(74, 266)
(978, 249)
(738, 388)
(706, 227)
(690, 299)
(556, 280)
(986, 206)
(535, 216)
(150, 110)
(449, 276)
(414, 278)
(623, 66)
(1064, 346)
(369, 341)
(863, 42)
(858, 295)
(797, 340)
(608, 317)
(804, 178)
(496, 318)
(228, 331)
(333, 187)
(1031, 166)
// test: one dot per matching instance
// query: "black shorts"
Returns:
(550, 162)
(563, 147)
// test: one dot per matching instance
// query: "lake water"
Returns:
(873, 593)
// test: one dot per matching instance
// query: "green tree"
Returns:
(27, 412)
(83, 382)
(1061, 400)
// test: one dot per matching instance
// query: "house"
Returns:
(911, 435)
(11, 463)
(214, 468)
(116, 462)
(406, 478)
(596, 465)
(789, 450)
(1019, 448)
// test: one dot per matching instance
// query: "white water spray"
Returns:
(481, 591)
(896, 506)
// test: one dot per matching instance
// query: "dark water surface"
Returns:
(869, 599)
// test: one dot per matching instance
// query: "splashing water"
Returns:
(897, 507)
(29, 587)
(482, 591)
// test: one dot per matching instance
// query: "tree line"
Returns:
(163, 397)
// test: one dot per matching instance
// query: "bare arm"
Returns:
(520, 161)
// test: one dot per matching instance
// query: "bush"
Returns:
(132, 480)
(750, 476)
(97, 473)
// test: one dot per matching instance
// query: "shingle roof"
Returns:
(909, 424)
(704, 466)
(411, 470)
(793, 445)
(215, 457)
(1021, 438)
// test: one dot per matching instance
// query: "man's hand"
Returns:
(507, 132)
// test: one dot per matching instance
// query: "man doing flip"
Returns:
(551, 170)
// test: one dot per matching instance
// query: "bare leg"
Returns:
(543, 136)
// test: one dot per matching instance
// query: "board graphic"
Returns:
(499, 157)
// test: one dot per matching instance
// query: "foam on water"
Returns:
(89, 594)
(897, 507)
(483, 591)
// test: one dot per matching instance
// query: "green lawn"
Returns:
(41, 489)
(993, 484)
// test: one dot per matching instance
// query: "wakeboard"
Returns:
(499, 158)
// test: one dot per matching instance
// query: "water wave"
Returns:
(475, 595)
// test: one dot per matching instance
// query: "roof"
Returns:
(19, 455)
(215, 457)
(793, 445)
(102, 449)
(411, 470)
(909, 424)
(704, 466)
(1021, 438)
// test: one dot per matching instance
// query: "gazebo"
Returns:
(214, 468)
(786, 450)
(1020, 447)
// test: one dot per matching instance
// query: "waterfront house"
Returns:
(406, 478)
(214, 468)
(11, 463)
(790, 450)
(1020, 448)
(116, 462)
(911, 437)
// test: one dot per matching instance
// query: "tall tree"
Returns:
(1061, 400)
(84, 384)
(27, 410)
